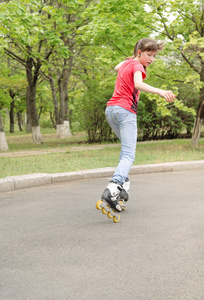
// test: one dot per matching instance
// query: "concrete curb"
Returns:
(33, 180)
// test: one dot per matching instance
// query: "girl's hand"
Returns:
(143, 87)
(168, 95)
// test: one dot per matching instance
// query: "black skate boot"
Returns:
(111, 195)
(124, 194)
(109, 203)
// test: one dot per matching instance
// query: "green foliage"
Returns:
(44, 99)
(153, 125)
(116, 26)
(5, 99)
(13, 89)
(46, 123)
(27, 24)
(169, 71)
(172, 73)
(107, 31)
(182, 24)
(91, 109)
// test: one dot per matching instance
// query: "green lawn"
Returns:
(83, 158)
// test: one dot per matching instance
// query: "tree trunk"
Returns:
(37, 139)
(66, 103)
(3, 142)
(11, 110)
(200, 114)
(61, 115)
(63, 129)
(52, 118)
(66, 96)
(55, 100)
(62, 98)
(198, 125)
(11, 116)
(32, 81)
(28, 114)
(20, 120)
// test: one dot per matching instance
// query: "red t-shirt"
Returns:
(125, 93)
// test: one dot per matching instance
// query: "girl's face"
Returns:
(146, 57)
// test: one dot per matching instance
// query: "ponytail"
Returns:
(147, 44)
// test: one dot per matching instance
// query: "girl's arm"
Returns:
(143, 87)
(116, 69)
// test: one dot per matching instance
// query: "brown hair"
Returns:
(147, 44)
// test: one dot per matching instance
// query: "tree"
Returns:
(4, 101)
(3, 142)
(153, 124)
(91, 98)
(181, 22)
(29, 35)
(73, 19)
(116, 26)
(13, 82)
(115, 34)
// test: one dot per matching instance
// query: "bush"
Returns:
(91, 113)
(46, 123)
(152, 126)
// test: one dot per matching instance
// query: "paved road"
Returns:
(54, 244)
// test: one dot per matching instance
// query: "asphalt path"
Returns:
(54, 244)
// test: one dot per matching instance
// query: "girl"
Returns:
(121, 114)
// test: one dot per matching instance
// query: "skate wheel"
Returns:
(116, 219)
(98, 204)
(121, 204)
(109, 215)
(104, 211)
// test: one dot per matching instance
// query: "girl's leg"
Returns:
(112, 120)
(124, 124)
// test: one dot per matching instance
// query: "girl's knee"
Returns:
(129, 156)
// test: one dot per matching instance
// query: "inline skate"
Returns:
(113, 200)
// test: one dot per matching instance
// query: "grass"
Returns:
(24, 141)
(83, 158)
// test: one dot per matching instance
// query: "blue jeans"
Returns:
(124, 124)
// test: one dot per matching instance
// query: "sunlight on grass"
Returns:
(147, 153)
(25, 141)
